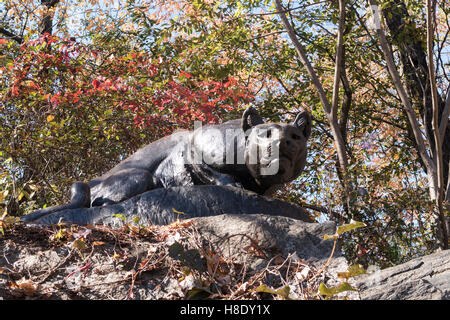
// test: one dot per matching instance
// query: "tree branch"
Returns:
(46, 23)
(330, 110)
(11, 35)
(303, 58)
(444, 118)
(338, 139)
(392, 68)
(339, 59)
(435, 125)
(322, 209)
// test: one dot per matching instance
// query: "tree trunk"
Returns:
(330, 109)
(46, 23)
(416, 72)
(414, 63)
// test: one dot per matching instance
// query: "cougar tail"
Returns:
(80, 198)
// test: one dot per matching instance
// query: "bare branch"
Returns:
(303, 58)
(339, 59)
(330, 111)
(11, 35)
(444, 119)
(443, 238)
(338, 139)
(322, 209)
(392, 68)
(434, 96)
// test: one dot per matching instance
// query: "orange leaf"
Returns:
(26, 285)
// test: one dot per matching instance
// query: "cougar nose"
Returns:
(286, 144)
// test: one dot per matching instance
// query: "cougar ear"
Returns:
(250, 118)
(303, 122)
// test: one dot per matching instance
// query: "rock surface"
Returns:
(157, 206)
(276, 235)
(424, 278)
(230, 256)
(238, 253)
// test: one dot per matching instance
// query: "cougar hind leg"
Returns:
(80, 198)
(121, 186)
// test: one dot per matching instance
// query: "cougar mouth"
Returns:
(267, 161)
(286, 156)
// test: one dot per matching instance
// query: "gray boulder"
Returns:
(273, 235)
(424, 278)
(159, 206)
(59, 272)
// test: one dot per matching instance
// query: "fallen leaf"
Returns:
(27, 286)
(331, 291)
(79, 244)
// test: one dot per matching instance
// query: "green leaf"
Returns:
(283, 292)
(351, 226)
(197, 294)
(23, 194)
(79, 244)
(120, 216)
(177, 212)
(331, 291)
(352, 271)
(344, 228)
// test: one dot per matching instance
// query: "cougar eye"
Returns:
(295, 137)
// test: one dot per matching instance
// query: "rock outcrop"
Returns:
(247, 256)
(424, 278)
(157, 206)
(239, 254)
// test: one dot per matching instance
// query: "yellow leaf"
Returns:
(352, 271)
(331, 291)
(283, 292)
(177, 212)
(351, 226)
(3, 195)
(50, 118)
(330, 236)
(116, 256)
(79, 244)
(21, 195)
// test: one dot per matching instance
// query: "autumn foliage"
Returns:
(66, 104)
(132, 82)
(116, 75)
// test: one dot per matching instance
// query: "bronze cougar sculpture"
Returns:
(245, 153)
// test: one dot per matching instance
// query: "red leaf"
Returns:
(185, 74)
(15, 90)
(56, 98)
(96, 84)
